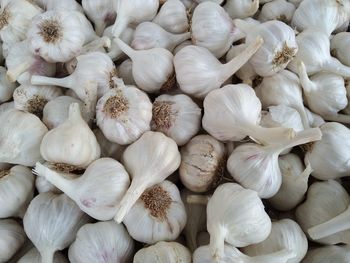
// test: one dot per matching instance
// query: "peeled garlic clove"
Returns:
(339, 44)
(170, 252)
(125, 72)
(149, 160)
(101, 242)
(51, 223)
(114, 51)
(33, 256)
(241, 8)
(6, 87)
(240, 111)
(127, 15)
(124, 113)
(177, 117)
(278, 9)
(294, 182)
(12, 238)
(108, 149)
(172, 16)
(72, 142)
(326, 254)
(198, 71)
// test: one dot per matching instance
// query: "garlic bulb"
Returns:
(127, 15)
(325, 213)
(158, 215)
(326, 15)
(101, 13)
(314, 51)
(327, 254)
(51, 223)
(149, 160)
(108, 149)
(124, 113)
(339, 44)
(203, 161)
(177, 117)
(329, 156)
(101, 242)
(33, 256)
(58, 36)
(285, 234)
(277, 9)
(241, 8)
(172, 16)
(213, 29)
(114, 51)
(240, 111)
(16, 186)
(72, 142)
(256, 167)
(70, 5)
(170, 252)
(151, 68)
(239, 221)
(278, 49)
(151, 35)
(6, 87)
(294, 182)
(21, 134)
(12, 238)
(125, 72)
(22, 64)
(198, 71)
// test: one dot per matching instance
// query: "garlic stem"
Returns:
(338, 118)
(198, 199)
(130, 52)
(306, 173)
(339, 223)
(217, 244)
(100, 26)
(47, 256)
(333, 65)
(306, 83)
(179, 38)
(119, 26)
(281, 256)
(62, 82)
(267, 136)
(15, 72)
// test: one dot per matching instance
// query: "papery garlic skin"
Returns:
(108, 149)
(241, 8)
(12, 238)
(170, 252)
(33, 256)
(327, 254)
(101, 242)
(278, 9)
(176, 116)
(6, 87)
(339, 44)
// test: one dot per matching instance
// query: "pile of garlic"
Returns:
(205, 131)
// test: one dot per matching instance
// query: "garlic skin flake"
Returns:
(327, 254)
(33, 256)
(339, 44)
(241, 8)
(107, 242)
(6, 87)
(170, 252)
(277, 9)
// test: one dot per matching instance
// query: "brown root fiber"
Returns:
(51, 31)
(36, 105)
(4, 174)
(115, 106)
(66, 168)
(4, 18)
(162, 116)
(157, 201)
(284, 56)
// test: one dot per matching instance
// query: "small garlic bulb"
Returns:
(324, 216)
(149, 160)
(294, 182)
(277, 9)
(108, 149)
(176, 116)
(51, 223)
(21, 134)
(72, 142)
(114, 51)
(170, 252)
(239, 221)
(6, 87)
(203, 161)
(327, 254)
(339, 44)
(172, 16)
(241, 8)
(33, 256)
(124, 113)
(198, 71)
(101, 242)
(12, 238)
(158, 215)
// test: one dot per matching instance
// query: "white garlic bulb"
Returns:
(329, 156)
(241, 8)
(294, 182)
(149, 160)
(325, 213)
(125, 72)
(6, 87)
(108, 149)
(124, 113)
(277, 9)
(339, 44)
(256, 167)
(33, 256)
(198, 71)
(172, 16)
(328, 254)
(176, 116)
(51, 223)
(114, 51)
(101, 242)
(240, 111)
(151, 35)
(72, 142)
(278, 49)
(170, 252)
(203, 161)
(12, 238)
(127, 13)
(16, 186)
(15, 146)
(151, 68)
(239, 221)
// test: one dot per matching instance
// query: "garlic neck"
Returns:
(268, 136)
(179, 38)
(120, 25)
(306, 83)
(13, 73)
(47, 256)
(131, 53)
(74, 113)
(333, 65)
(217, 243)
(66, 82)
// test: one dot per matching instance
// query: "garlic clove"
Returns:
(108, 149)
(241, 8)
(277, 9)
(33, 256)
(6, 87)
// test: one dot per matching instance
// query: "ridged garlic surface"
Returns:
(241, 8)
(6, 87)
(277, 9)
(339, 45)
(328, 254)
(33, 256)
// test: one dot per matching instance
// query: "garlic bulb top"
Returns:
(339, 44)
(241, 8)
(6, 87)
(328, 254)
(33, 256)
(72, 142)
(170, 252)
(239, 221)
(149, 160)
(277, 9)
(101, 242)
